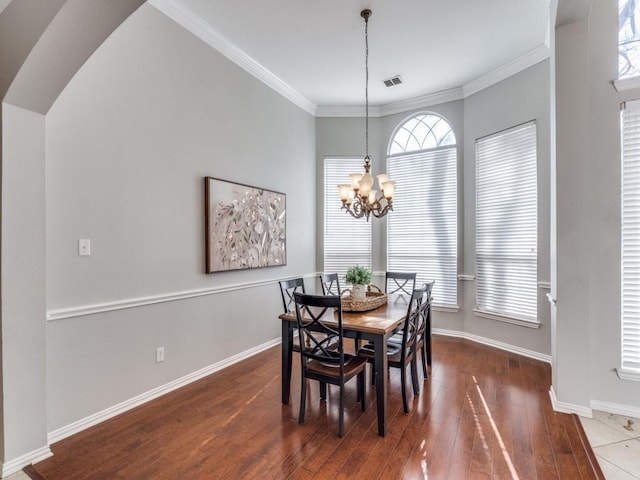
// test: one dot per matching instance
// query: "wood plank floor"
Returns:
(482, 414)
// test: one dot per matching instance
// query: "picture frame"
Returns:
(245, 226)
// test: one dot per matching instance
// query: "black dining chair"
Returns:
(423, 341)
(399, 283)
(287, 289)
(330, 284)
(324, 359)
(403, 354)
(423, 344)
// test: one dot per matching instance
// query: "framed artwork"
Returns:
(245, 226)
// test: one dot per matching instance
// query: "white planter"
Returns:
(359, 292)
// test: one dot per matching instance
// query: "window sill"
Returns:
(504, 318)
(446, 309)
(626, 374)
(626, 84)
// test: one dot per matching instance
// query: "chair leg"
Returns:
(373, 374)
(423, 354)
(303, 399)
(362, 390)
(427, 343)
(323, 391)
(403, 380)
(341, 415)
(414, 376)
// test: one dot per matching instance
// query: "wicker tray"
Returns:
(374, 299)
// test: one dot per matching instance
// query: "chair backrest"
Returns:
(330, 284)
(399, 282)
(412, 321)
(425, 308)
(324, 343)
(287, 289)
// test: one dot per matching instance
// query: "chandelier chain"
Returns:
(366, 84)
(359, 199)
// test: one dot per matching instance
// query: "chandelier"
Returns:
(358, 198)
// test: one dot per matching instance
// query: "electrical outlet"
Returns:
(159, 354)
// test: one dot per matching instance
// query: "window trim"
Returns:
(329, 197)
(454, 147)
(499, 316)
(623, 371)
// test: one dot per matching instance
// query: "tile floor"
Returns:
(18, 476)
(616, 447)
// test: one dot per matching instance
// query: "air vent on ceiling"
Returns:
(393, 81)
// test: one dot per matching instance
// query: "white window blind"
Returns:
(422, 228)
(631, 237)
(507, 223)
(347, 240)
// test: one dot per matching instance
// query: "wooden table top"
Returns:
(382, 320)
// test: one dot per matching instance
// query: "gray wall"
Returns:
(120, 158)
(128, 143)
(518, 99)
(588, 204)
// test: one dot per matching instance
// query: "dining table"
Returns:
(375, 325)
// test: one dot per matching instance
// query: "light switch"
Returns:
(84, 247)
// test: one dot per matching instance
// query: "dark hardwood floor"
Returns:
(482, 414)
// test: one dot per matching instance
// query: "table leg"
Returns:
(287, 358)
(380, 371)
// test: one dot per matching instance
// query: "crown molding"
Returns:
(507, 70)
(194, 24)
(423, 101)
(4, 4)
(347, 111)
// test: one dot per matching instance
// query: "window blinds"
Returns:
(631, 236)
(347, 240)
(507, 223)
(422, 228)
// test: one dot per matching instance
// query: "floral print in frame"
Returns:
(245, 226)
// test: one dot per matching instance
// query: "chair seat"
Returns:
(352, 366)
(396, 338)
(393, 351)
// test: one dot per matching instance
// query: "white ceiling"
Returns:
(316, 47)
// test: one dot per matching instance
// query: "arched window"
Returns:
(422, 230)
(422, 132)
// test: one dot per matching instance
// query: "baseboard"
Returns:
(616, 408)
(565, 407)
(110, 412)
(494, 343)
(22, 461)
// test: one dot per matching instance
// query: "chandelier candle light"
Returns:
(358, 198)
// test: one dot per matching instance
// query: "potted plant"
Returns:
(360, 277)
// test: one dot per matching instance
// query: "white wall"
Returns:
(128, 143)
